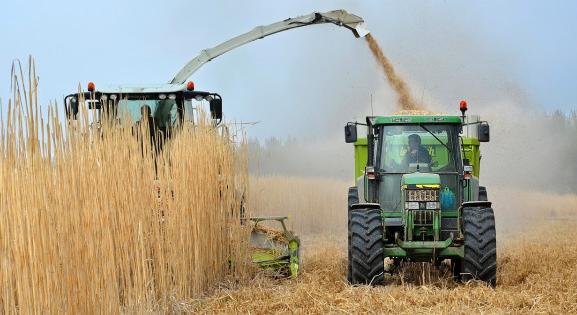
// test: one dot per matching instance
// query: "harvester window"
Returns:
(164, 112)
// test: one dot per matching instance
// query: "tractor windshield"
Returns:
(424, 148)
(419, 147)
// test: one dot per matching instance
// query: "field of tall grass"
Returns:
(92, 220)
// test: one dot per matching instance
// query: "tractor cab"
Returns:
(403, 151)
(166, 106)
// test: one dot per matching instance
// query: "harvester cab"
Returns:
(167, 105)
(417, 196)
(172, 104)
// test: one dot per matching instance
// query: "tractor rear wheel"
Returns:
(366, 245)
(480, 262)
(353, 199)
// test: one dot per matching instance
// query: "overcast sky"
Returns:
(310, 80)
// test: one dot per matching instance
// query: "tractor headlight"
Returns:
(432, 205)
(412, 205)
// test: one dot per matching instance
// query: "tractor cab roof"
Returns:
(416, 119)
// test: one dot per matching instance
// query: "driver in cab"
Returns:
(416, 153)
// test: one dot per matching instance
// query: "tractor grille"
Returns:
(422, 195)
(423, 217)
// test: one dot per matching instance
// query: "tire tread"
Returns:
(480, 261)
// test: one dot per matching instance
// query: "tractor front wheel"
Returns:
(366, 245)
(480, 261)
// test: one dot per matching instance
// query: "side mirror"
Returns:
(484, 135)
(350, 133)
(216, 108)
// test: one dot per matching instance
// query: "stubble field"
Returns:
(537, 259)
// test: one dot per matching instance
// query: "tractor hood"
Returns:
(421, 180)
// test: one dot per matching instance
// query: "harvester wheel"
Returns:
(480, 260)
(366, 258)
(353, 199)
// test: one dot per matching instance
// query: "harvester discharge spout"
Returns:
(337, 17)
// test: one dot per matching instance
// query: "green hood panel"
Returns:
(421, 179)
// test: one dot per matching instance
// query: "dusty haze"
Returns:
(528, 167)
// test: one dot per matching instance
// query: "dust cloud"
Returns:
(405, 98)
(528, 167)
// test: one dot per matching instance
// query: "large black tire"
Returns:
(366, 258)
(483, 193)
(353, 198)
(480, 262)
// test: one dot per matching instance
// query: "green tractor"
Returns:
(417, 197)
